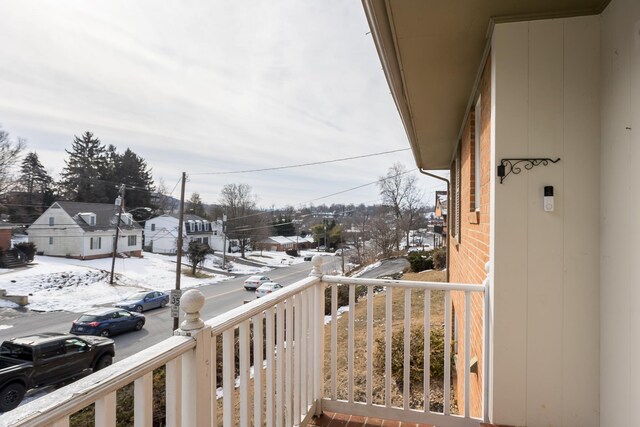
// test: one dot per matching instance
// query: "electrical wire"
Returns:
(323, 162)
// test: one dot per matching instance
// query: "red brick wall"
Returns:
(5, 238)
(469, 256)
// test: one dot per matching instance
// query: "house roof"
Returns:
(188, 217)
(432, 53)
(106, 214)
(280, 240)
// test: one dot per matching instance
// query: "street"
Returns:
(219, 298)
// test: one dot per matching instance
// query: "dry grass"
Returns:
(361, 339)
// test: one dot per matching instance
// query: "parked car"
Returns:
(253, 282)
(267, 288)
(107, 322)
(308, 257)
(143, 301)
(46, 359)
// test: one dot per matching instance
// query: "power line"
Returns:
(302, 164)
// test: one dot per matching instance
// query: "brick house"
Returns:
(481, 87)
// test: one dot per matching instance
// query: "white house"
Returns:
(161, 233)
(84, 231)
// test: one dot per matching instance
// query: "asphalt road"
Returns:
(219, 298)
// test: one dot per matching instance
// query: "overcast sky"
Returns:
(207, 87)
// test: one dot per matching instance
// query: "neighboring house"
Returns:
(480, 86)
(277, 243)
(161, 233)
(440, 224)
(84, 231)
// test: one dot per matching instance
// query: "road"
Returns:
(219, 298)
(387, 268)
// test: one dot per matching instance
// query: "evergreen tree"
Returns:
(33, 176)
(36, 193)
(195, 206)
(84, 169)
(132, 170)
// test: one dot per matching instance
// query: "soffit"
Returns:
(431, 51)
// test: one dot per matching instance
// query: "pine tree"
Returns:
(33, 176)
(133, 171)
(86, 166)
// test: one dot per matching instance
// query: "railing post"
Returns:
(486, 343)
(318, 334)
(196, 365)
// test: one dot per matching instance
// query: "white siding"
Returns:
(545, 264)
(620, 185)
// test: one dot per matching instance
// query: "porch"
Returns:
(208, 377)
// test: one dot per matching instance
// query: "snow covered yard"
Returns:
(74, 285)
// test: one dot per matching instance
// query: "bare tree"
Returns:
(163, 200)
(400, 191)
(240, 205)
(383, 235)
(9, 155)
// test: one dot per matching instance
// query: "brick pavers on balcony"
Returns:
(331, 419)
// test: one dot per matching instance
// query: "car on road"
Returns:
(46, 359)
(143, 301)
(253, 282)
(308, 257)
(266, 288)
(107, 322)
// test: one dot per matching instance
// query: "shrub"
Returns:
(420, 261)
(416, 359)
(28, 248)
(343, 296)
(439, 257)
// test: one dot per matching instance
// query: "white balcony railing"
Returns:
(284, 334)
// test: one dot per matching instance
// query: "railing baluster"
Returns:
(318, 323)
(245, 378)
(388, 312)
(62, 422)
(304, 344)
(270, 386)
(334, 341)
(369, 345)
(288, 331)
(297, 361)
(350, 341)
(467, 351)
(143, 401)
(214, 381)
(106, 410)
(173, 385)
(258, 343)
(447, 352)
(427, 350)
(406, 383)
(228, 377)
(280, 365)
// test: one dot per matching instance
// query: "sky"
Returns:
(208, 88)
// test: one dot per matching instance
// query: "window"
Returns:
(153, 227)
(132, 240)
(191, 225)
(93, 220)
(199, 225)
(215, 232)
(95, 242)
(206, 226)
(75, 345)
(51, 240)
(476, 170)
(52, 221)
(205, 240)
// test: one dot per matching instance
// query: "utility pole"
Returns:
(119, 203)
(224, 239)
(176, 313)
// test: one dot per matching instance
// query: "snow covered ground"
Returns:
(74, 285)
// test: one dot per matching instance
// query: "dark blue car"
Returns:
(107, 322)
(143, 301)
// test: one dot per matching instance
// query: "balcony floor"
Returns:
(331, 419)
